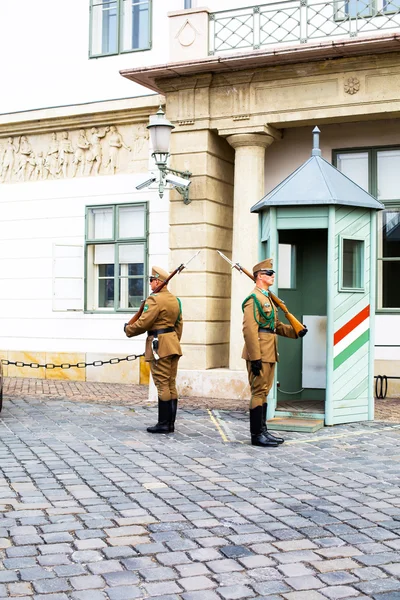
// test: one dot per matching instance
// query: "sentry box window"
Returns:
(351, 266)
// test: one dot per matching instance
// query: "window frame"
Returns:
(372, 152)
(341, 287)
(119, 26)
(116, 242)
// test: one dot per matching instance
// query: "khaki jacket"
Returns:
(257, 344)
(160, 311)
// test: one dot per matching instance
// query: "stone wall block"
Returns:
(27, 357)
(198, 332)
(204, 284)
(124, 372)
(199, 235)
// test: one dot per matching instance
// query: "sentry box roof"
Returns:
(317, 182)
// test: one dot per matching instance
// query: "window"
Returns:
(118, 26)
(377, 170)
(116, 257)
(351, 265)
(363, 9)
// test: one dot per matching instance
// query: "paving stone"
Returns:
(52, 560)
(61, 596)
(196, 583)
(86, 595)
(339, 591)
(304, 582)
(119, 578)
(173, 558)
(35, 574)
(202, 595)
(124, 593)
(392, 569)
(338, 578)
(157, 573)
(16, 589)
(376, 586)
(254, 561)
(337, 564)
(271, 587)
(310, 595)
(295, 570)
(118, 552)
(167, 587)
(87, 582)
(141, 562)
(51, 586)
(236, 592)
(367, 573)
(205, 554)
(192, 570)
(235, 551)
(8, 576)
(224, 566)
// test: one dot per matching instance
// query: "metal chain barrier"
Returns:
(79, 365)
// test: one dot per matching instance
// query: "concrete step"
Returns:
(295, 424)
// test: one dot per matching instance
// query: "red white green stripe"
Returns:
(349, 338)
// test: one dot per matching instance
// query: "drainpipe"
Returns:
(188, 3)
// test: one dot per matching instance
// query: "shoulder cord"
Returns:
(269, 319)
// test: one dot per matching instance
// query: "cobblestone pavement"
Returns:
(95, 508)
(137, 395)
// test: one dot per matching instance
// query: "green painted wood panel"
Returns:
(359, 391)
(348, 307)
(342, 373)
(265, 225)
(358, 417)
(350, 378)
(302, 212)
(306, 223)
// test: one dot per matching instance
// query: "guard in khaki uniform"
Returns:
(260, 326)
(162, 319)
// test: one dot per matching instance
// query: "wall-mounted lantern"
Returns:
(160, 133)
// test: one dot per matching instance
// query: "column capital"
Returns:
(259, 135)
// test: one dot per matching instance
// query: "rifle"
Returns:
(158, 289)
(298, 327)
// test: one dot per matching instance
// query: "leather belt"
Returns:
(157, 332)
(266, 330)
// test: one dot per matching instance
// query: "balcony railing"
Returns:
(299, 22)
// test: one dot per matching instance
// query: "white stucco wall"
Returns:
(36, 215)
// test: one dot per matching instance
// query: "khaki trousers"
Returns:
(164, 372)
(260, 386)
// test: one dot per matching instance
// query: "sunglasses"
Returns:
(152, 279)
(268, 272)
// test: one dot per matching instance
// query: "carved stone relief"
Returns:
(352, 85)
(75, 153)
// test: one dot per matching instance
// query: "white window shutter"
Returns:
(68, 272)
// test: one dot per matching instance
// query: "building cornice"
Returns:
(113, 112)
(151, 77)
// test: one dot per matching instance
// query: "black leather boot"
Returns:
(164, 417)
(174, 408)
(266, 433)
(256, 429)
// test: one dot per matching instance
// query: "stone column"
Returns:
(248, 189)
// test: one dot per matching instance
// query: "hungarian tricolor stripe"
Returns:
(349, 338)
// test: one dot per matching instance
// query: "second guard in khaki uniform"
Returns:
(260, 328)
(162, 319)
